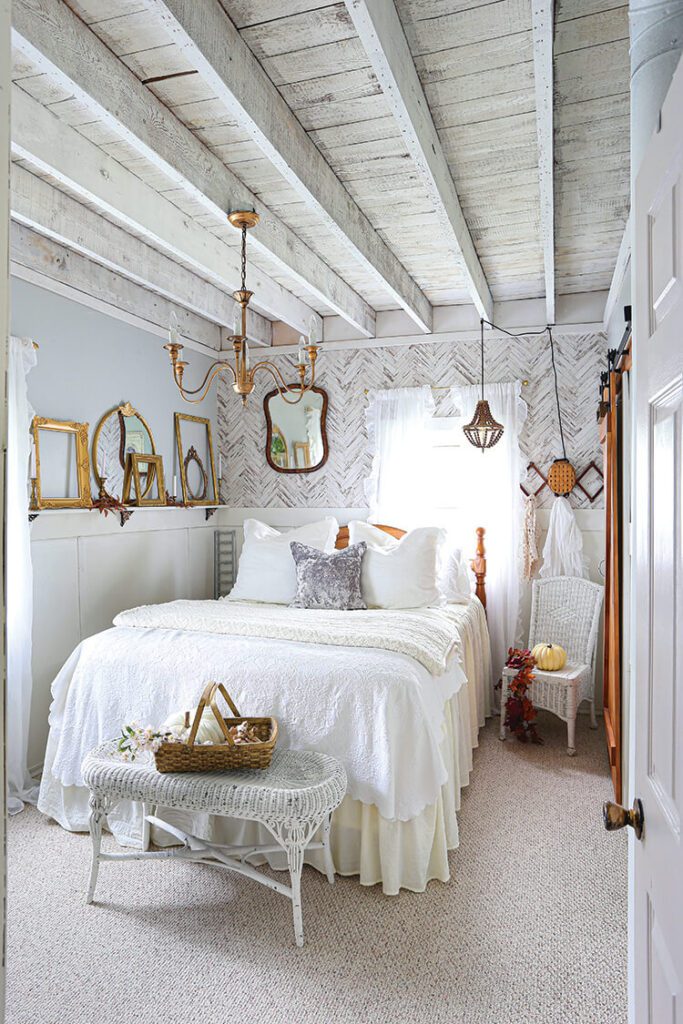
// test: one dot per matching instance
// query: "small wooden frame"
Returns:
(80, 434)
(179, 419)
(132, 480)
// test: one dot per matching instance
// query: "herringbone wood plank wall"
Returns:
(248, 481)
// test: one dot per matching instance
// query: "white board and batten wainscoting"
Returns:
(87, 568)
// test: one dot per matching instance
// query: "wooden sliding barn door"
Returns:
(612, 440)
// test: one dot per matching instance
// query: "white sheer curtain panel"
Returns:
(494, 501)
(21, 787)
(397, 489)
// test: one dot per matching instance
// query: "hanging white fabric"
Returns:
(563, 550)
(530, 541)
(494, 501)
(397, 488)
(19, 589)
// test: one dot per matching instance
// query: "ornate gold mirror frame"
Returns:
(185, 458)
(122, 411)
(80, 434)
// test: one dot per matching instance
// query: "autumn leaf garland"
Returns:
(520, 713)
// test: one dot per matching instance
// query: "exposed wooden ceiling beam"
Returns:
(46, 263)
(621, 266)
(58, 42)
(215, 48)
(40, 206)
(53, 148)
(381, 33)
(542, 31)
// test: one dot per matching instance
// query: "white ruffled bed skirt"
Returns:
(397, 854)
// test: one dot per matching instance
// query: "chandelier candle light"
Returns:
(242, 372)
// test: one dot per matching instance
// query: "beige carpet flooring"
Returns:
(530, 930)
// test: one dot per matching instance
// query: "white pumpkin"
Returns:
(549, 657)
(209, 729)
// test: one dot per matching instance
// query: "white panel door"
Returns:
(657, 875)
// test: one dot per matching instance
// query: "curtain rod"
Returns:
(440, 387)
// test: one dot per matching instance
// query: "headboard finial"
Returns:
(479, 566)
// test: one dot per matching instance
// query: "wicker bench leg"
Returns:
(295, 844)
(147, 809)
(98, 812)
(327, 852)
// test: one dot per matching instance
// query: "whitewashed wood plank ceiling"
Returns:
(475, 63)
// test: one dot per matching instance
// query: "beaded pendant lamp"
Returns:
(483, 431)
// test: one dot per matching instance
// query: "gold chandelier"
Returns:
(242, 372)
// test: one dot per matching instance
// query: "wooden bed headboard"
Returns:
(478, 563)
(343, 535)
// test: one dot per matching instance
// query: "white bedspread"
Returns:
(381, 713)
(426, 634)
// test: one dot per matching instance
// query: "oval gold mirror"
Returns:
(296, 438)
(120, 432)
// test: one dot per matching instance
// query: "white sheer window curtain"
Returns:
(397, 488)
(483, 489)
(22, 358)
(492, 479)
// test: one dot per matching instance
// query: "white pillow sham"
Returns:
(399, 573)
(266, 569)
(454, 575)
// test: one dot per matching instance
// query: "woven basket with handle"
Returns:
(215, 757)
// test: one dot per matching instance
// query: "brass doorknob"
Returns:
(615, 816)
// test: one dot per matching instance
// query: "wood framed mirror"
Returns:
(296, 433)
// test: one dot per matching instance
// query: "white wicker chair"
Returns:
(565, 610)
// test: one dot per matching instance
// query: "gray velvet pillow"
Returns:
(328, 581)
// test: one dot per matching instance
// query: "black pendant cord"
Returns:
(482, 359)
(524, 334)
(534, 334)
(557, 392)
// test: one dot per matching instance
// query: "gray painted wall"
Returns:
(90, 362)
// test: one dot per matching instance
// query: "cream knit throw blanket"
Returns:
(429, 635)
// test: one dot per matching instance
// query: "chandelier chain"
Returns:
(244, 258)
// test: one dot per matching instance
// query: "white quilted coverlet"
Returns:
(380, 712)
(426, 634)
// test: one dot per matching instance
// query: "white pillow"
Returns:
(454, 576)
(399, 573)
(266, 570)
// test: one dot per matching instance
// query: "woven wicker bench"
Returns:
(293, 798)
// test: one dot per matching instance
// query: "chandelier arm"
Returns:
(216, 367)
(282, 386)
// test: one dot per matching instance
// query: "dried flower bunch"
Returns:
(520, 713)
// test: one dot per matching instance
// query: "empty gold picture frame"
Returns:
(211, 498)
(79, 432)
(153, 468)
